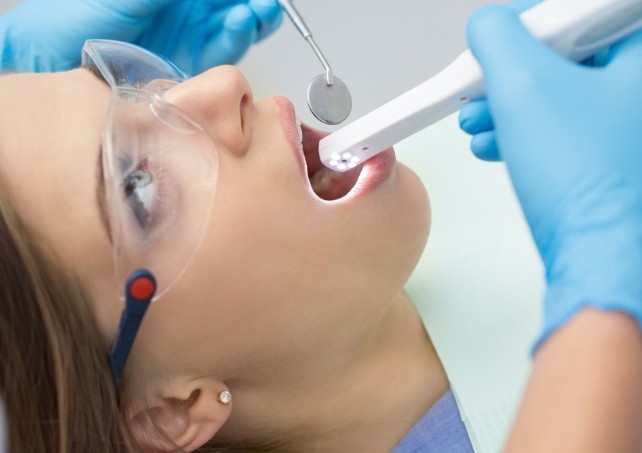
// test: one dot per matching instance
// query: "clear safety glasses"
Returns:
(160, 170)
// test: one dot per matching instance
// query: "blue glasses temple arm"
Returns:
(139, 292)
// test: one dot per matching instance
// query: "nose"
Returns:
(220, 101)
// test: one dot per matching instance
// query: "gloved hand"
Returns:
(475, 118)
(47, 35)
(571, 137)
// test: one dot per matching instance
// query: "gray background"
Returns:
(379, 48)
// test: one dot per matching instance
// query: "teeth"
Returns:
(299, 130)
(321, 181)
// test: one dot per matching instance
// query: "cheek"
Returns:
(252, 275)
(260, 247)
(251, 232)
(391, 232)
(279, 266)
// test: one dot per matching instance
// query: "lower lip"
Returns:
(375, 172)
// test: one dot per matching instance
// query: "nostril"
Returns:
(246, 100)
(219, 100)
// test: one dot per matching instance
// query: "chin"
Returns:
(400, 238)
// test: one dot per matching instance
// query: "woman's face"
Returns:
(281, 276)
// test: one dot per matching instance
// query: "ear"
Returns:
(186, 417)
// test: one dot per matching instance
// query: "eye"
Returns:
(139, 190)
(135, 180)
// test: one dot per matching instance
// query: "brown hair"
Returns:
(55, 379)
(54, 373)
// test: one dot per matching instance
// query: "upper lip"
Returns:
(310, 142)
(290, 127)
(307, 152)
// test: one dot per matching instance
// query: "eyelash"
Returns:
(147, 218)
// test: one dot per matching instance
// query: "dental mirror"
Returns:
(331, 104)
(329, 99)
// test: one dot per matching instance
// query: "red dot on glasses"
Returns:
(142, 289)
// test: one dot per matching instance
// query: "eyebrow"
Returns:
(100, 172)
(95, 71)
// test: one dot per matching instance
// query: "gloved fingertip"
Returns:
(269, 14)
(466, 122)
(484, 146)
(266, 10)
(232, 42)
(484, 24)
(506, 50)
(240, 18)
(275, 24)
(475, 117)
(485, 18)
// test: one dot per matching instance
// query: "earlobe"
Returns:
(186, 422)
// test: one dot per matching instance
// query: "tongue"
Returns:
(327, 184)
(332, 185)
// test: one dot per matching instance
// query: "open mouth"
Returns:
(327, 184)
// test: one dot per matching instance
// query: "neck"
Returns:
(367, 406)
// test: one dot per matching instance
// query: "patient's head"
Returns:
(283, 288)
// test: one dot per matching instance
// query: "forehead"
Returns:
(50, 126)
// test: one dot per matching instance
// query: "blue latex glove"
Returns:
(571, 137)
(475, 118)
(47, 35)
